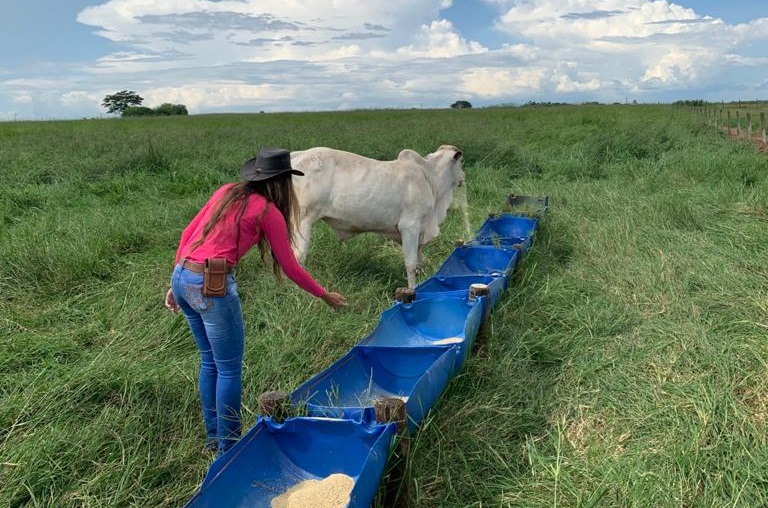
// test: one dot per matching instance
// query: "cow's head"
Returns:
(454, 159)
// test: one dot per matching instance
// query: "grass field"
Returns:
(626, 366)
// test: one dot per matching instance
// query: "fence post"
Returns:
(762, 125)
(749, 125)
(728, 126)
(738, 123)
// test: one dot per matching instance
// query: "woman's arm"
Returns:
(276, 233)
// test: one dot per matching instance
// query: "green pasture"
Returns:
(626, 365)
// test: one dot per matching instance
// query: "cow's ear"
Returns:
(458, 155)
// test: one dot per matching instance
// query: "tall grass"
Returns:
(626, 366)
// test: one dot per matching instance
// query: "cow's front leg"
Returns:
(301, 238)
(410, 240)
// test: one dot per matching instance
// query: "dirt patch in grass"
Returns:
(755, 400)
(757, 139)
(587, 430)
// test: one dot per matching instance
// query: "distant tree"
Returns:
(461, 105)
(691, 102)
(547, 104)
(138, 111)
(120, 101)
(169, 109)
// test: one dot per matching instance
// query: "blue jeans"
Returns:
(217, 325)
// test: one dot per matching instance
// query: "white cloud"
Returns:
(638, 43)
(247, 55)
(676, 68)
(259, 29)
(217, 95)
(440, 40)
(566, 84)
(745, 61)
(22, 98)
(752, 32)
(607, 43)
(492, 83)
(523, 52)
(598, 24)
(78, 98)
(568, 79)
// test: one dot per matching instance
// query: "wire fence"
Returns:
(742, 120)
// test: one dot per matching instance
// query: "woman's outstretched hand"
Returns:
(335, 300)
(170, 302)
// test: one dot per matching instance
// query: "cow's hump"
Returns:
(408, 155)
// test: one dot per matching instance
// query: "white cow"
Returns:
(405, 200)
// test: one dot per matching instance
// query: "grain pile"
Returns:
(330, 492)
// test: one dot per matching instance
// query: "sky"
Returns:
(61, 58)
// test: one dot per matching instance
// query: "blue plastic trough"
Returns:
(458, 286)
(479, 260)
(273, 457)
(428, 322)
(412, 354)
(416, 375)
(506, 230)
(535, 206)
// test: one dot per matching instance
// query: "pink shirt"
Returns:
(222, 241)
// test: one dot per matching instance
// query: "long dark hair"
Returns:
(278, 192)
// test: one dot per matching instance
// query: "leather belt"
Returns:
(200, 267)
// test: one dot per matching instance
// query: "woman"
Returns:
(260, 210)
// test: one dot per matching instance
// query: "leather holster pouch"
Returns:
(215, 277)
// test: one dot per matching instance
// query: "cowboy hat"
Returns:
(269, 163)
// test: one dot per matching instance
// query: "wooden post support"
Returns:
(728, 125)
(762, 125)
(275, 404)
(738, 123)
(483, 332)
(405, 295)
(397, 486)
(749, 125)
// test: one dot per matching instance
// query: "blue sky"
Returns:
(62, 57)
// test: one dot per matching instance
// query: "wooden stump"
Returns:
(397, 487)
(405, 295)
(483, 332)
(275, 404)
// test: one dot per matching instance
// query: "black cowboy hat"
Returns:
(269, 163)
